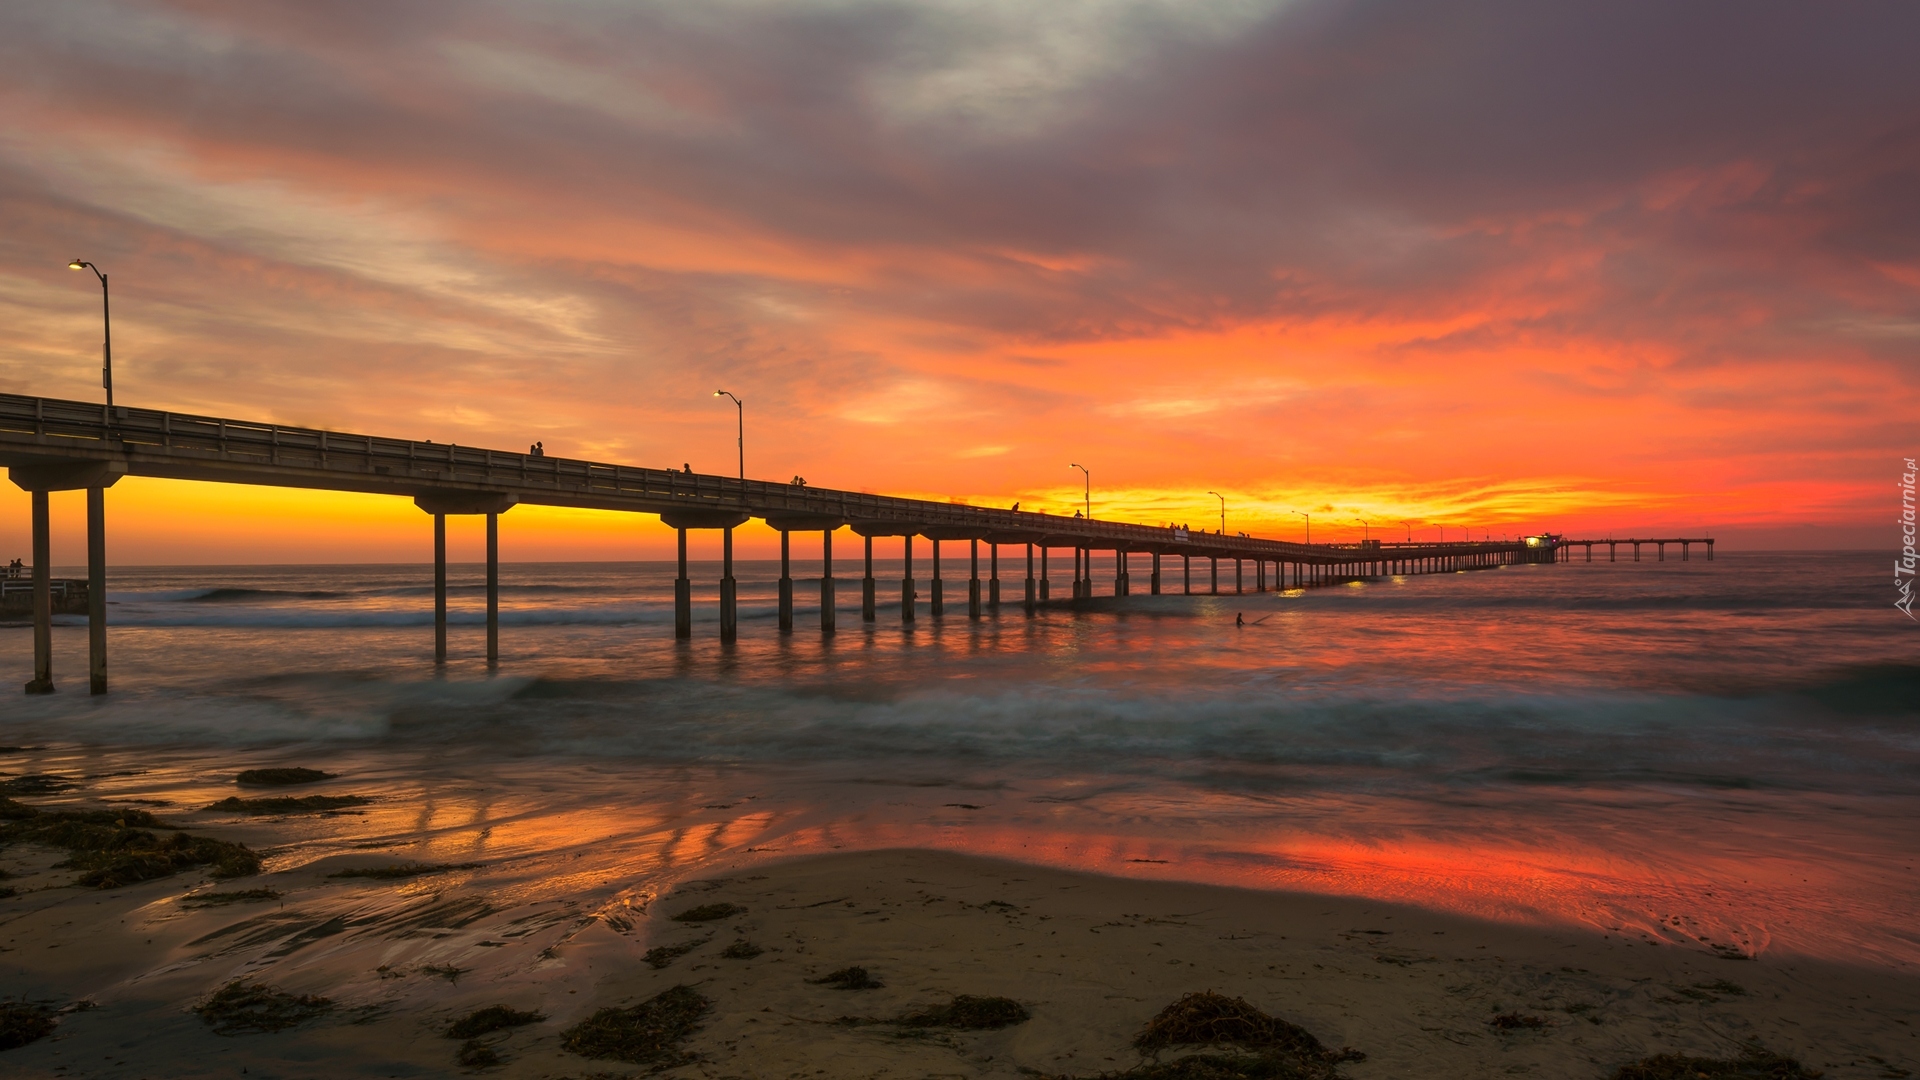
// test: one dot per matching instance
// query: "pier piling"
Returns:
(1030, 593)
(826, 581)
(440, 585)
(993, 578)
(682, 595)
(973, 583)
(42, 599)
(729, 610)
(493, 590)
(97, 590)
(906, 580)
(868, 612)
(939, 605)
(786, 585)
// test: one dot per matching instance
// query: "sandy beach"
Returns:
(1090, 959)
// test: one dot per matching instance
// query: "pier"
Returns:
(49, 444)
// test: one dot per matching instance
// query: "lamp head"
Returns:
(719, 393)
(76, 265)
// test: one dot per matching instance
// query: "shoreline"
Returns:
(1090, 956)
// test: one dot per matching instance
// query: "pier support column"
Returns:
(973, 584)
(97, 590)
(1709, 551)
(906, 582)
(826, 581)
(1610, 552)
(440, 588)
(1046, 587)
(1237, 589)
(786, 585)
(1031, 598)
(1663, 550)
(1213, 565)
(42, 599)
(1153, 582)
(1186, 575)
(1259, 575)
(1077, 575)
(1636, 551)
(867, 605)
(493, 590)
(939, 585)
(729, 611)
(1685, 552)
(1122, 577)
(993, 579)
(682, 595)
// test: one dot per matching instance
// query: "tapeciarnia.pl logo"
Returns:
(1904, 565)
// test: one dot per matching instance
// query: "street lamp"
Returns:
(1223, 511)
(741, 411)
(1089, 492)
(1409, 526)
(106, 319)
(1309, 518)
(1364, 534)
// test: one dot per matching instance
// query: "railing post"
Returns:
(97, 589)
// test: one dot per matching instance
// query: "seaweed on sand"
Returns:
(112, 848)
(1274, 1049)
(742, 950)
(709, 913)
(475, 1054)
(288, 804)
(237, 896)
(241, 1007)
(22, 1022)
(37, 784)
(1513, 1021)
(849, 978)
(490, 1019)
(661, 956)
(400, 871)
(645, 1034)
(1754, 1063)
(968, 1012)
(280, 777)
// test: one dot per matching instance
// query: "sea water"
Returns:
(1722, 756)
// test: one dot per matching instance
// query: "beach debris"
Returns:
(238, 896)
(1279, 1050)
(849, 978)
(113, 848)
(288, 804)
(281, 777)
(36, 784)
(490, 1019)
(401, 871)
(1711, 991)
(968, 1012)
(645, 1034)
(1754, 1063)
(240, 1008)
(446, 971)
(475, 1054)
(742, 950)
(710, 913)
(661, 956)
(22, 1022)
(1513, 1021)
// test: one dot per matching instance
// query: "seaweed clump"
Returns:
(237, 896)
(22, 1022)
(709, 913)
(280, 777)
(475, 1054)
(848, 978)
(242, 1007)
(401, 871)
(288, 804)
(1280, 1050)
(661, 956)
(490, 1019)
(1754, 1063)
(113, 848)
(1513, 1021)
(968, 1012)
(742, 950)
(646, 1034)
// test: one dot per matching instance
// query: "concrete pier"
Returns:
(440, 584)
(729, 591)
(826, 581)
(786, 584)
(97, 590)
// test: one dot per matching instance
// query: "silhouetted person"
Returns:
(687, 467)
(1239, 619)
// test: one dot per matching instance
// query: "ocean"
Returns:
(1721, 756)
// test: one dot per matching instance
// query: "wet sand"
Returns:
(1091, 958)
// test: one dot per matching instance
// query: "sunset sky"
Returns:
(1591, 267)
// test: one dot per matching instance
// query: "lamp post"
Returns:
(1223, 511)
(1409, 526)
(1364, 533)
(1309, 518)
(741, 411)
(1089, 491)
(106, 319)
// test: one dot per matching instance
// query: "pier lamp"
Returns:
(740, 411)
(1089, 492)
(1309, 518)
(1223, 511)
(1409, 526)
(1365, 534)
(106, 319)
